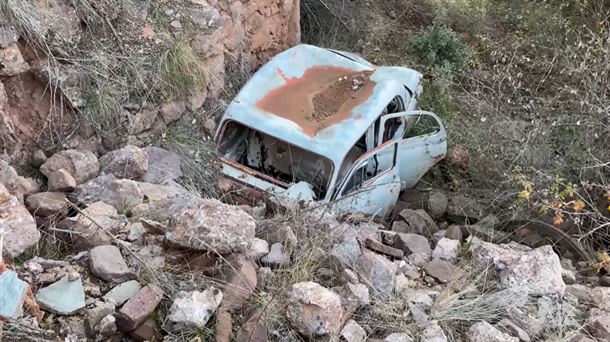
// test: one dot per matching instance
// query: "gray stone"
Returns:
(46, 204)
(314, 310)
(122, 292)
(533, 326)
(151, 257)
(447, 249)
(418, 222)
(11, 61)
(539, 270)
(194, 309)
(94, 226)
(122, 194)
(17, 225)
(129, 162)
(206, 19)
(12, 294)
(81, 165)
(433, 333)
(437, 204)
(284, 235)
(454, 232)
(172, 112)
(107, 263)
(8, 36)
(135, 232)
(163, 166)
(353, 296)
(95, 315)
(419, 259)
(107, 326)
(485, 332)
(259, 248)
(438, 236)
(412, 243)
(419, 315)
(63, 297)
(8, 176)
(277, 257)
(442, 270)
(464, 209)
(211, 225)
(353, 332)
(377, 273)
(61, 180)
(348, 251)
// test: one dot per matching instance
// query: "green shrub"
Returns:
(437, 96)
(439, 47)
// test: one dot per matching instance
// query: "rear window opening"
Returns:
(274, 157)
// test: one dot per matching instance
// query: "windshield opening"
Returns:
(274, 157)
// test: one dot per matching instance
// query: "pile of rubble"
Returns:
(128, 224)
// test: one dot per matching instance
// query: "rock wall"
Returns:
(40, 105)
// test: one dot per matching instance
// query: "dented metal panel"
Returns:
(288, 71)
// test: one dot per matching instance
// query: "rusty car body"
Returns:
(326, 125)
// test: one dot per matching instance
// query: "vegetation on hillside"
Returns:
(523, 85)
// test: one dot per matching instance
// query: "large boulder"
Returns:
(314, 310)
(17, 225)
(80, 165)
(539, 271)
(128, 162)
(211, 225)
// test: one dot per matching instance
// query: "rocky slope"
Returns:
(115, 248)
(69, 69)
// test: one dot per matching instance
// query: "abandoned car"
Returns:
(327, 125)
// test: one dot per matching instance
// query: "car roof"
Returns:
(318, 99)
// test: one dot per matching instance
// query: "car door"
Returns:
(423, 144)
(368, 188)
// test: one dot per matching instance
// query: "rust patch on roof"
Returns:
(322, 97)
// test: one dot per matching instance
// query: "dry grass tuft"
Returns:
(180, 72)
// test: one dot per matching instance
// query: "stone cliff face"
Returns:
(41, 102)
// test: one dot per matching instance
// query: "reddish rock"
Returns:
(254, 329)
(241, 282)
(139, 307)
(148, 331)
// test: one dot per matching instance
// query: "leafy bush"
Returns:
(439, 47)
(437, 96)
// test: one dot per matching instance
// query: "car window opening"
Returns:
(274, 157)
